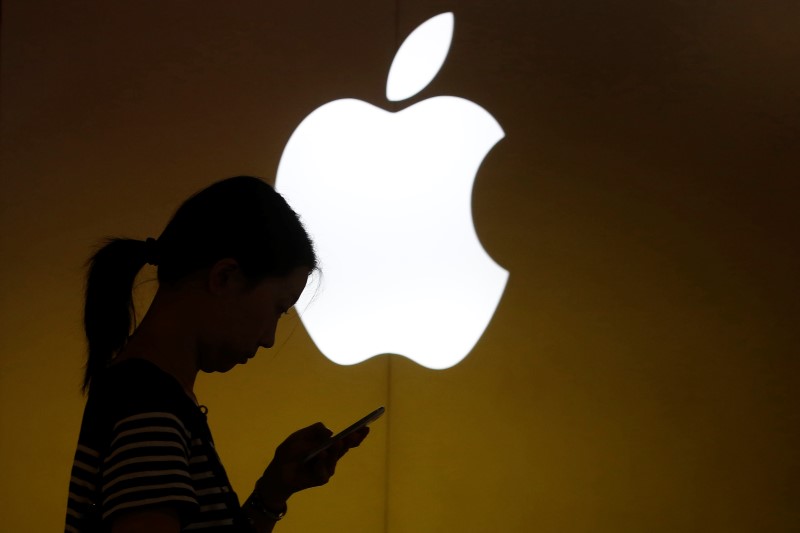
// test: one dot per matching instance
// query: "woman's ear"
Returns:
(225, 277)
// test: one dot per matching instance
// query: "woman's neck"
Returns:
(166, 339)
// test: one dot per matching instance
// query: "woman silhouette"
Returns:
(232, 260)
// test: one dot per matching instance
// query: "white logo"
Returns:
(386, 197)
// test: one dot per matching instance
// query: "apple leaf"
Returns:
(420, 57)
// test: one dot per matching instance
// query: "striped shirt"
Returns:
(144, 443)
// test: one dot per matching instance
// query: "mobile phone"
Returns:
(374, 415)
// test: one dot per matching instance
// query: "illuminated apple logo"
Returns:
(386, 198)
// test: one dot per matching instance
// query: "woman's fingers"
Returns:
(302, 441)
(298, 474)
(314, 434)
(355, 439)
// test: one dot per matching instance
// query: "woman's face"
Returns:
(248, 317)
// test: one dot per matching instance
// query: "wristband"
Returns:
(255, 503)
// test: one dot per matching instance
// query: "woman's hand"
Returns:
(288, 473)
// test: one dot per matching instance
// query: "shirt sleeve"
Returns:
(147, 465)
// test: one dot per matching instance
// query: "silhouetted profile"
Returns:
(232, 260)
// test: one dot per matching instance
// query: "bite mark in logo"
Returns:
(386, 197)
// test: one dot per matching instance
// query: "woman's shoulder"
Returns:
(136, 386)
(132, 374)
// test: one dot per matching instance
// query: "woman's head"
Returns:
(242, 218)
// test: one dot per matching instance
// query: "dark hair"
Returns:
(242, 217)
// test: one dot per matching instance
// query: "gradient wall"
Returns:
(641, 372)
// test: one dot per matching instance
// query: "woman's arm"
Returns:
(262, 516)
(288, 473)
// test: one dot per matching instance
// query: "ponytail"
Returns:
(241, 217)
(109, 310)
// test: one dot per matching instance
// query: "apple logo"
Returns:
(386, 197)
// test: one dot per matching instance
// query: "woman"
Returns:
(232, 260)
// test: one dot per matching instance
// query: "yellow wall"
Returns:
(641, 372)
